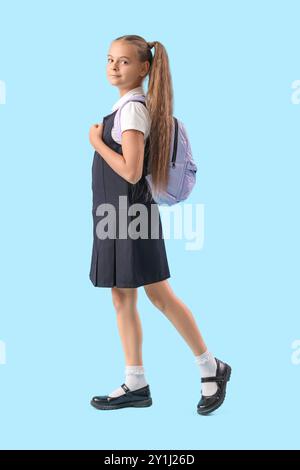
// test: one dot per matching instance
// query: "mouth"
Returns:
(116, 76)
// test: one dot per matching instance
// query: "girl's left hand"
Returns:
(96, 134)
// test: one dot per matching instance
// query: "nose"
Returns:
(115, 65)
(114, 70)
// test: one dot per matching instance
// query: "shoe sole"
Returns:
(136, 404)
(215, 407)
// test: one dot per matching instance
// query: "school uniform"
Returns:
(117, 261)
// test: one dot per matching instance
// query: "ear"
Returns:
(146, 67)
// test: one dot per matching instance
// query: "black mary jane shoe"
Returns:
(207, 404)
(139, 398)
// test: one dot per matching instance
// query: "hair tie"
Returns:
(150, 44)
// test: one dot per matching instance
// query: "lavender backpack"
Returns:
(182, 168)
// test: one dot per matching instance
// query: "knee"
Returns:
(123, 298)
(157, 300)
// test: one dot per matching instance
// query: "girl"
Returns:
(125, 263)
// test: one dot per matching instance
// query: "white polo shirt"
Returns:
(134, 115)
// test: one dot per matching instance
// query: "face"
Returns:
(124, 69)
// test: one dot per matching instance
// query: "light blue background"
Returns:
(233, 64)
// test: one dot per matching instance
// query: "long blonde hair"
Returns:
(159, 101)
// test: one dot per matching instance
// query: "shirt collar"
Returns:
(135, 91)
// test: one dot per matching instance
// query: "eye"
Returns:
(121, 61)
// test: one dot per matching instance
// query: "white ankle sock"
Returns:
(208, 368)
(134, 379)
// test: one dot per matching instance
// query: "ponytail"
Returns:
(159, 101)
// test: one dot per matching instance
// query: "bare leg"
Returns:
(129, 324)
(163, 297)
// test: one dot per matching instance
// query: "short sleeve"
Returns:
(135, 115)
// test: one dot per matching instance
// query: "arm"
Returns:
(129, 165)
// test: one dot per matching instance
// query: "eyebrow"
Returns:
(109, 55)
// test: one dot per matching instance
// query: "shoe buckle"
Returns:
(125, 388)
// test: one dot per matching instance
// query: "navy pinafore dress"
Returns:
(116, 261)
